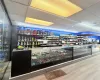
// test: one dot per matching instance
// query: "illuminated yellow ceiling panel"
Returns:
(62, 8)
(37, 21)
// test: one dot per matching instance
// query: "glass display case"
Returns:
(96, 48)
(40, 57)
(51, 55)
(81, 51)
(45, 57)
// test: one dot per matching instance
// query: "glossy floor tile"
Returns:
(3, 66)
(54, 74)
(41, 77)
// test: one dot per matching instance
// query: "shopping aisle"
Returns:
(88, 69)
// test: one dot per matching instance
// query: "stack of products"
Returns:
(74, 39)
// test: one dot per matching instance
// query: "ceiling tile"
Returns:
(84, 16)
(33, 13)
(25, 2)
(65, 21)
(81, 27)
(17, 17)
(86, 27)
(63, 27)
(15, 8)
(95, 9)
(77, 28)
(84, 3)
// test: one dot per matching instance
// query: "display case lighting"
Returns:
(62, 8)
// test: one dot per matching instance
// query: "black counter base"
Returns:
(24, 65)
(41, 66)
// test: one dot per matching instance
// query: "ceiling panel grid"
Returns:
(16, 8)
(24, 2)
(20, 9)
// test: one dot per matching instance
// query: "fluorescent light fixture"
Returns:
(62, 8)
(37, 21)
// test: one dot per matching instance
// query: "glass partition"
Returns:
(4, 41)
(4, 36)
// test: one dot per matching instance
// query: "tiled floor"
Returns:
(2, 69)
(7, 72)
(54, 74)
(88, 69)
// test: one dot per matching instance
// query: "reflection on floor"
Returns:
(2, 69)
(88, 69)
(54, 74)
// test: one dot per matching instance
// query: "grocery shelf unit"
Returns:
(29, 39)
(74, 39)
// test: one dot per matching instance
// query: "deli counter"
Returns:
(24, 61)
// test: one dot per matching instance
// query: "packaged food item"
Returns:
(34, 32)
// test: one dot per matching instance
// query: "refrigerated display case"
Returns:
(51, 55)
(4, 38)
(40, 57)
(45, 57)
(4, 41)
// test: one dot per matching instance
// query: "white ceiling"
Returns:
(19, 9)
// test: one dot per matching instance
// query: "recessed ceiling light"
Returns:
(62, 8)
(37, 21)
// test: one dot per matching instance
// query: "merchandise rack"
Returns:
(32, 41)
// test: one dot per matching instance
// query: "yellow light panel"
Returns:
(62, 8)
(37, 21)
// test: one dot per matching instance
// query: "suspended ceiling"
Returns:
(86, 20)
